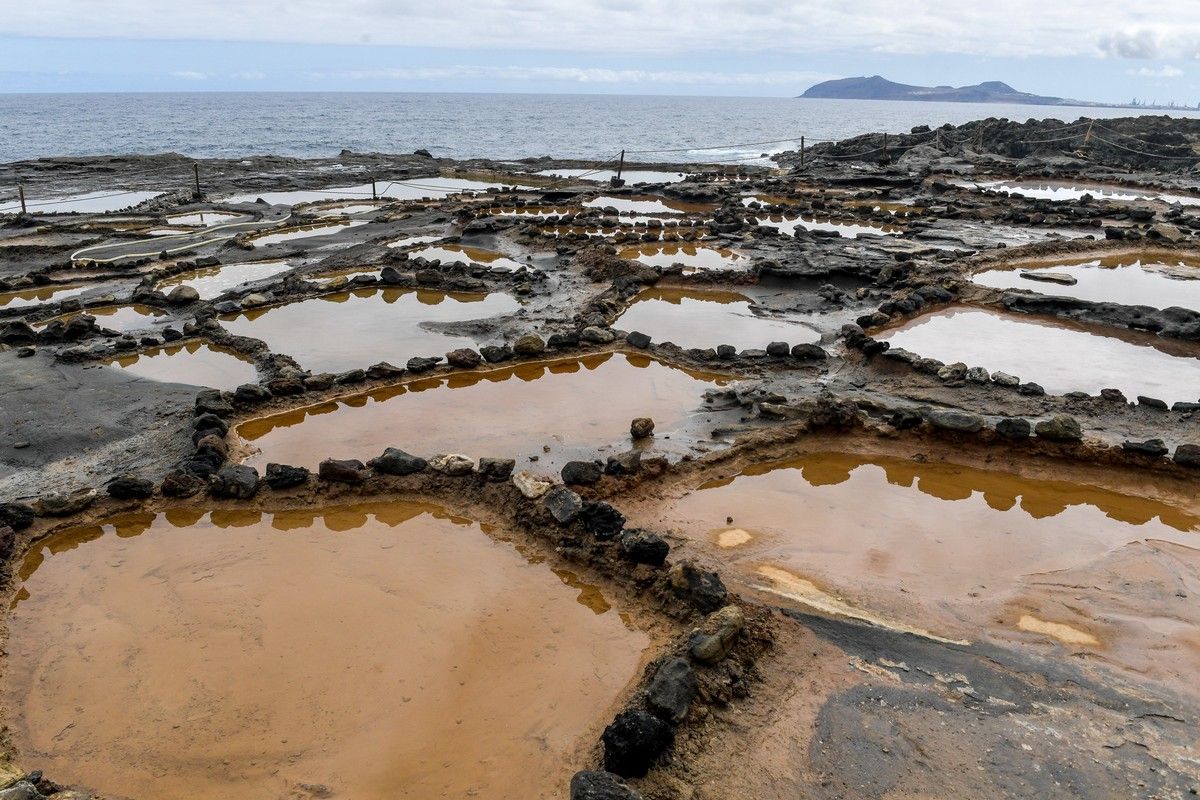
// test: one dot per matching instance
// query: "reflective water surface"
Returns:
(23, 298)
(194, 363)
(371, 651)
(690, 256)
(699, 318)
(212, 282)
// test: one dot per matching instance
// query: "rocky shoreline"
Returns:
(853, 241)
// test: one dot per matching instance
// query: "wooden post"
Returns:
(802, 152)
(374, 195)
(885, 154)
(621, 165)
(1087, 137)
(196, 178)
(21, 194)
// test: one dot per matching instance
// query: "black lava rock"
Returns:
(130, 487)
(563, 504)
(634, 741)
(671, 690)
(602, 520)
(398, 462)
(595, 785)
(581, 473)
(17, 516)
(342, 470)
(644, 547)
(1014, 428)
(638, 339)
(235, 481)
(283, 476)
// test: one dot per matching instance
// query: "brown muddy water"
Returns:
(369, 651)
(306, 233)
(1157, 281)
(699, 318)
(191, 363)
(213, 282)
(554, 411)
(356, 329)
(449, 253)
(24, 298)
(1062, 357)
(690, 256)
(953, 551)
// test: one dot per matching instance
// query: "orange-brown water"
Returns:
(43, 294)
(379, 650)
(557, 411)
(212, 282)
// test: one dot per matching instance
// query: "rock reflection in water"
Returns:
(689, 256)
(699, 318)
(192, 363)
(379, 650)
(212, 282)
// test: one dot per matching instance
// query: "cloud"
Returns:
(1165, 71)
(1114, 28)
(248, 76)
(190, 75)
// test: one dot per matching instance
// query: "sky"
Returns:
(1101, 50)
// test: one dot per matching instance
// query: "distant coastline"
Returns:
(877, 87)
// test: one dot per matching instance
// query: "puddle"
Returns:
(923, 546)
(193, 363)
(1061, 356)
(212, 282)
(346, 210)
(122, 318)
(1160, 282)
(690, 256)
(305, 233)
(848, 230)
(1068, 191)
(534, 211)
(630, 176)
(372, 650)
(649, 204)
(449, 253)
(556, 410)
(24, 298)
(697, 318)
(356, 329)
(414, 189)
(410, 241)
(88, 203)
(203, 219)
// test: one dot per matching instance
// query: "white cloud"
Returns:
(248, 76)
(1165, 71)
(190, 75)
(1116, 28)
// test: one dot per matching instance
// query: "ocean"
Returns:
(501, 126)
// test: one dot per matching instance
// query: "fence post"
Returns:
(21, 194)
(196, 179)
(621, 165)
(374, 195)
(802, 152)
(885, 152)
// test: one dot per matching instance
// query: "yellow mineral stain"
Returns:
(1058, 630)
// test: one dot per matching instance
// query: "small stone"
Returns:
(595, 785)
(672, 690)
(726, 351)
(633, 742)
(978, 375)
(397, 462)
(182, 295)
(342, 470)
(17, 516)
(529, 345)
(1186, 455)
(531, 486)
(61, 504)
(627, 463)
(644, 547)
(723, 627)
(637, 339)
(1152, 402)
(494, 355)
(563, 504)
(596, 335)
(496, 469)
(455, 465)
(418, 364)
(702, 587)
(1150, 447)
(1031, 389)
(581, 473)
(1113, 396)
(181, 483)
(1004, 379)
(958, 421)
(808, 352)
(602, 520)
(384, 370)
(251, 393)
(130, 487)
(641, 428)
(464, 358)
(283, 476)
(1060, 428)
(778, 349)
(1014, 428)
(350, 376)
(235, 482)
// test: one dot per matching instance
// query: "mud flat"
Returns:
(1059, 356)
(1158, 281)
(573, 408)
(373, 650)
(192, 363)
(341, 331)
(212, 282)
(700, 318)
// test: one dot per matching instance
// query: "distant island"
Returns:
(880, 88)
